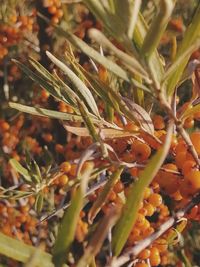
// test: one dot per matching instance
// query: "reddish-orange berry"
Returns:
(47, 137)
(142, 151)
(154, 257)
(158, 122)
(155, 199)
(63, 180)
(161, 244)
(144, 254)
(194, 179)
(150, 209)
(65, 166)
(189, 123)
(188, 166)
(52, 9)
(118, 187)
(140, 220)
(147, 192)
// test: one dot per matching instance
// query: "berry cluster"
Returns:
(15, 31)
(54, 9)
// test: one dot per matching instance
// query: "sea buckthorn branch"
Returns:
(180, 129)
(141, 245)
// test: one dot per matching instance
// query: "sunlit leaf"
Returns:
(190, 37)
(157, 27)
(135, 196)
(155, 62)
(80, 86)
(46, 112)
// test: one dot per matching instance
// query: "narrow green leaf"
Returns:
(46, 112)
(59, 85)
(20, 169)
(33, 168)
(101, 199)
(80, 86)
(69, 221)
(21, 252)
(155, 62)
(134, 12)
(90, 126)
(130, 210)
(157, 27)
(191, 35)
(39, 202)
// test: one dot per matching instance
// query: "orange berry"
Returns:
(63, 180)
(150, 209)
(154, 256)
(59, 148)
(59, 13)
(47, 137)
(186, 190)
(193, 212)
(134, 171)
(112, 196)
(189, 123)
(55, 20)
(161, 244)
(180, 158)
(118, 187)
(144, 254)
(147, 192)
(140, 220)
(65, 166)
(4, 126)
(52, 9)
(197, 116)
(188, 166)
(142, 151)
(181, 147)
(155, 199)
(72, 171)
(194, 179)
(158, 122)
